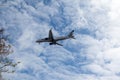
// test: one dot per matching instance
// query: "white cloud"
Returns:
(114, 9)
(96, 52)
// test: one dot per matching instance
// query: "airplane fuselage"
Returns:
(54, 40)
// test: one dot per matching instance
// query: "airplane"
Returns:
(53, 41)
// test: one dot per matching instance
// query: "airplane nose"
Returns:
(39, 41)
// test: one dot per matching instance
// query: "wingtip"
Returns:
(50, 28)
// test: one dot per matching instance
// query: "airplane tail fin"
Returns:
(71, 34)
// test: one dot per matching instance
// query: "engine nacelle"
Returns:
(50, 43)
(46, 38)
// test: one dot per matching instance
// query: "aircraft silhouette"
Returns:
(53, 41)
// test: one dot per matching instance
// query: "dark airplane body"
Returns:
(53, 41)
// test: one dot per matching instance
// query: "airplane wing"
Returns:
(59, 44)
(50, 34)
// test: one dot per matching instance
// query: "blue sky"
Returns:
(93, 55)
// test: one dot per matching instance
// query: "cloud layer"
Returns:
(93, 55)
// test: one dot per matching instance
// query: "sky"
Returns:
(93, 55)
